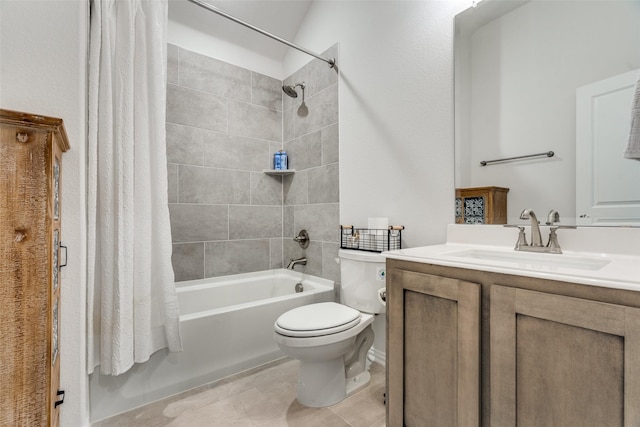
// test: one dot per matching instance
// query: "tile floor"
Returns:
(265, 397)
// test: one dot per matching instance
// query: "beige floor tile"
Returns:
(229, 387)
(261, 407)
(298, 415)
(262, 397)
(150, 415)
(224, 413)
(207, 397)
(366, 407)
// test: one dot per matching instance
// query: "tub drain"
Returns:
(299, 287)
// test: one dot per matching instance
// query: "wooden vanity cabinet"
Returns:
(550, 353)
(433, 338)
(31, 148)
(563, 361)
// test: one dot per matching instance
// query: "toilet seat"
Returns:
(315, 320)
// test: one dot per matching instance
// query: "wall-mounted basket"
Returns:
(370, 239)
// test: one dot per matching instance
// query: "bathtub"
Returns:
(227, 327)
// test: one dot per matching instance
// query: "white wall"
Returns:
(396, 109)
(396, 112)
(196, 41)
(42, 70)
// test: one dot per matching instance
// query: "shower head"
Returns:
(291, 89)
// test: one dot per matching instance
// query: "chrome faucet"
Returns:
(536, 237)
(293, 262)
(553, 216)
(552, 247)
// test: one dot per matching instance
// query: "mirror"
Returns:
(520, 66)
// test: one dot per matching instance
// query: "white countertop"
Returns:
(607, 257)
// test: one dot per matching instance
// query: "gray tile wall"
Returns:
(223, 125)
(311, 195)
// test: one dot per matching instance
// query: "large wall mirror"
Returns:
(534, 76)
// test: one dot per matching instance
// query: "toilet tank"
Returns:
(362, 275)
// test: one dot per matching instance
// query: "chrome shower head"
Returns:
(291, 89)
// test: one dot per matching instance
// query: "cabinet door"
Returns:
(562, 361)
(433, 351)
(24, 272)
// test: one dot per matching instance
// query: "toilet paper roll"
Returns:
(382, 296)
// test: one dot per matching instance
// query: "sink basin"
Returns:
(530, 260)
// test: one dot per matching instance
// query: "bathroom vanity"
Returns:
(484, 335)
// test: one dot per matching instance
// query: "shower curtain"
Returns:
(132, 308)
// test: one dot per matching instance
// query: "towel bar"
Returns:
(547, 153)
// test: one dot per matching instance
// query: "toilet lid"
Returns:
(315, 320)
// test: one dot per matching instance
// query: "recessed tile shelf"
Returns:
(278, 172)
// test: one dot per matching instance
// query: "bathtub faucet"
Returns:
(293, 262)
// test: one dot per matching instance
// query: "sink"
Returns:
(535, 261)
(594, 256)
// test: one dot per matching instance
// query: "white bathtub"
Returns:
(227, 327)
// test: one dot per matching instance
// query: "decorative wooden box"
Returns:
(481, 205)
(31, 149)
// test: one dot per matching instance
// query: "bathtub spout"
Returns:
(293, 262)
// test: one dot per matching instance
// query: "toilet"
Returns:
(331, 340)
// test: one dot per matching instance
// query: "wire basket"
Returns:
(371, 239)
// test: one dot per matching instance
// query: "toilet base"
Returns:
(358, 382)
(328, 378)
(321, 383)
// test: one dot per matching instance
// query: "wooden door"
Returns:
(433, 351)
(562, 361)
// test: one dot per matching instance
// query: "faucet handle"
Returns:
(553, 245)
(303, 239)
(522, 237)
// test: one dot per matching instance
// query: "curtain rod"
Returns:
(331, 62)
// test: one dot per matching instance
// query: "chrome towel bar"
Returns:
(487, 162)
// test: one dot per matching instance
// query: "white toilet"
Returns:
(331, 340)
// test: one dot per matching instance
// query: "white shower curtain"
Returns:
(132, 308)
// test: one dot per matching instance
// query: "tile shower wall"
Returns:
(311, 195)
(223, 125)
